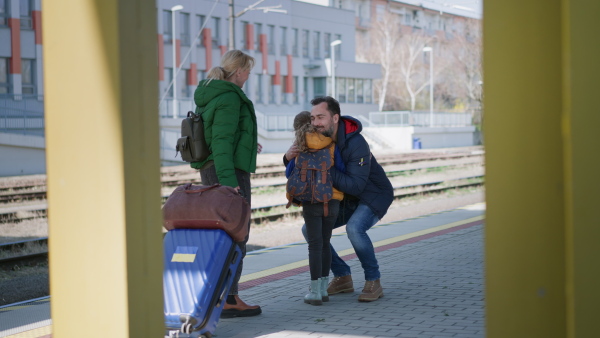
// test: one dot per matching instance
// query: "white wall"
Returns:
(22, 155)
(445, 137)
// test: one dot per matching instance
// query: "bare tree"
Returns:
(467, 51)
(411, 68)
(381, 47)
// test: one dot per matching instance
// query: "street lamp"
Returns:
(333, 44)
(173, 10)
(430, 50)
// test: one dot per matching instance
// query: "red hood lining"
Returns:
(351, 126)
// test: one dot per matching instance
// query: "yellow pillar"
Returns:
(542, 184)
(103, 168)
(581, 115)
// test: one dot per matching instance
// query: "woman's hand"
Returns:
(259, 148)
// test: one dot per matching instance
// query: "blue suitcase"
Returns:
(199, 267)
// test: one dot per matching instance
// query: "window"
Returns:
(367, 90)
(319, 87)
(182, 84)
(200, 76)
(201, 20)
(271, 43)
(296, 96)
(258, 88)
(294, 41)
(327, 45)
(350, 86)
(340, 87)
(317, 45)
(305, 43)
(359, 91)
(272, 89)
(4, 13)
(216, 34)
(25, 8)
(167, 27)
(338, 48)
(258, 27)
(283, 91)
(28, 76)
(4, 79)
(184, 29)
(408, 18)
(168, 79)
(244, 35)
(305, 92)
(379, 12)
(283, 41)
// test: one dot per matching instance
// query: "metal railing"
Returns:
(19, 121)
(28, 102)
(275, 122)
(165, 109)
(419, 119)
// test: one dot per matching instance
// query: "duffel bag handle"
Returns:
(187, 189)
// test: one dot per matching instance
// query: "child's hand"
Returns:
(292, 152)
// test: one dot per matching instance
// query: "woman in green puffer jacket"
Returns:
(231, 135)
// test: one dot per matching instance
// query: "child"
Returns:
(319, 217)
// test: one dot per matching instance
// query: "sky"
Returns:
(465, 7)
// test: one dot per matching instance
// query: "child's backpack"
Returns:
(310, 181)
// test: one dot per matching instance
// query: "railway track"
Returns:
(260, 215)
(33, 188)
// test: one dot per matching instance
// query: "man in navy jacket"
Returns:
(368, 194)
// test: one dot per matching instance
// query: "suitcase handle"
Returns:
(189, 185)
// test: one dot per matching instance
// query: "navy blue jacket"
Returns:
(363, 178)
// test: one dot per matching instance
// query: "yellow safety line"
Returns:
(302, 263)
(39, 332)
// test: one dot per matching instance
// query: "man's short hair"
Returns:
(333, 106)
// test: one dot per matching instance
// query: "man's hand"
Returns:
(292, 152)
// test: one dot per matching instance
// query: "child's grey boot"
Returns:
(314, 296)
(324, 283)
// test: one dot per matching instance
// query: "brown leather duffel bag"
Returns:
(207, 207)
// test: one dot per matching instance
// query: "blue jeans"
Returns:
(362, 219)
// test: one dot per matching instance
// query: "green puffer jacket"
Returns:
(230, 129)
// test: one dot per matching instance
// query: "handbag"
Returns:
(207, 207)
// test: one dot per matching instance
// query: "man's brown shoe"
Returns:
(235, 307)
(340, 285)
(372, 291)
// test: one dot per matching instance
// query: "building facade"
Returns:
(293, 53)
(21, 71)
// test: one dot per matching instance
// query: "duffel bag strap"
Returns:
(187, 189)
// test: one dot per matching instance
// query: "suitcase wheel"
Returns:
(186, 328)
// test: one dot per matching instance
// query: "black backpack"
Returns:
(192, 144)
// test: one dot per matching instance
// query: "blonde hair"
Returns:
(301, 136)
(230, 63)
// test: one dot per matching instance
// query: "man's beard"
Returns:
(328, 132)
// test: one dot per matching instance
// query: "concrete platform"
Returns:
(432, 275)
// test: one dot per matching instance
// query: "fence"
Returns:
(275, 122)
(419, 119)
(21, 122)
(165, 109)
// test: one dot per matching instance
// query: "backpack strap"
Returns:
(303, 170)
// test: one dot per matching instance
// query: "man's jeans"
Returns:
(361, 220)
